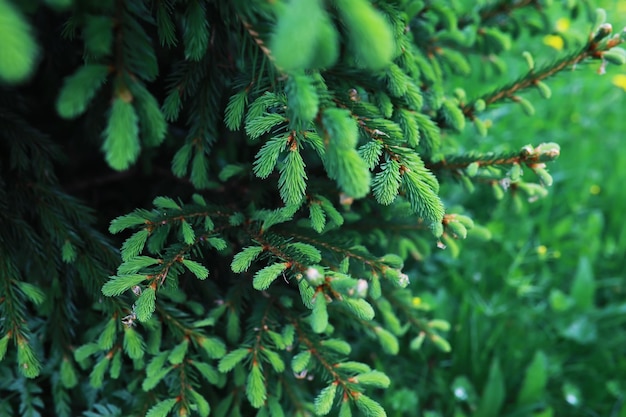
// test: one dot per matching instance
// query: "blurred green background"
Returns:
(538, 313)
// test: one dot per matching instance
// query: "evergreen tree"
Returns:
(292, 152)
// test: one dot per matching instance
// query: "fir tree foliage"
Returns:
(307, 140)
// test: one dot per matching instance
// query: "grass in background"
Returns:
(538, 313)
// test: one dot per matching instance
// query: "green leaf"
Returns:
(232, 170)
(85, 351)
(535, 380)
(108, 335)
(423, 199)
(156, 364)
(274, 407)
(121, 136)
(165, 25)
(330, 210)
(181, 159)
(397, 80)
(96, 377)
(429, 132)
(256, 127)
(98, 35)
(153, 380)
(360, 308)
(288, 335)
(255, 387)
(350, 171)
(171, 108)
(118, 284)
(339, 346)
(453, 115)
(324, 401)
(235, 110)
(441, 343)
(274, 359)
(317, 216)
(19, 49)
(32, 292)
(242, 261)
(116, 365)
(195, 31)
(68, 252)
(27, 361)
(388, 341)
(312, 254)
(166, 203)
(353, 367)
(229, 361)
(67, 373)
(162, 408)
(145, 304)
(493, 394)
(133, 343)
(292, 180)
(177, 355)
(281, 215)
(218, 243)
(584, 286)
(374, 379)
(319, 315)
(302, 97)
(371, 38)
(386, 182)
(155, 337)
(151, 119)
(199, 270)
(213, 347)
(371, 152)
(208, 372)
(344, 410)
(306, 293)
(267, 157)
(134, 244)
(295, 38)
(277, 339)
(300, 362)
(79, 89)
(369, 407)
(264, 277)
(127, 221)
(135, 264)
(202, 406)
(341, 128)
(409, 126)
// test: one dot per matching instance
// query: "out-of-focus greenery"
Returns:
(538, 312)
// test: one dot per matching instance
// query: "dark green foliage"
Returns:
(275, 175)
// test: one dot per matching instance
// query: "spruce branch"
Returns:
(328, 363)
(595, 48)
(501, 8)
(528, 155)
(405, 305)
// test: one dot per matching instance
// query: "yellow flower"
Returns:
(416, 301)
(620, 81)
(554, 41)
(562, 24)
(542, 250)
